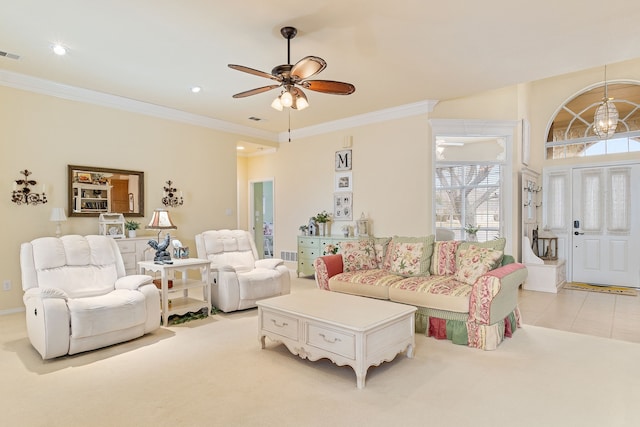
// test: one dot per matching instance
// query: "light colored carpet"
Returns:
(212, 372)
(617, 290)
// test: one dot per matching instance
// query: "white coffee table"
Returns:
(346, 329)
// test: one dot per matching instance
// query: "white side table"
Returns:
(181, 302)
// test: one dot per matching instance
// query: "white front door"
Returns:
(606, 230)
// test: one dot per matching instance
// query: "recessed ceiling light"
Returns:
(58, 49)
(196, 89)
(239, 147)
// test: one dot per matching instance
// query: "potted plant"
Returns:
(322, 219)
(304, 229)
(131, 227)
(471, 231)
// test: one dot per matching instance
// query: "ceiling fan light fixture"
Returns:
(276, 104)
(301, 103)
(291, 78)
(286, 99)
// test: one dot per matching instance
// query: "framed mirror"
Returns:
(95, 190)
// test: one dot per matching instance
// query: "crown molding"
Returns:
(407, 110)
(72, 93)
(472, 127)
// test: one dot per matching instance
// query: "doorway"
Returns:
(605, 232)
(120, 196)
(261, 216)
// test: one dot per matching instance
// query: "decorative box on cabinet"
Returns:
(311, 247)
(134, 250)
(111, 224)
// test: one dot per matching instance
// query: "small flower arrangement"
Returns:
(472, 229)
(322, 217)
(330, 249)
(304, 229)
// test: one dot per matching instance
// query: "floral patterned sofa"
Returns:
(464, 291)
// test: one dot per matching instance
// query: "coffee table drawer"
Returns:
(331, 340)
(280, 324)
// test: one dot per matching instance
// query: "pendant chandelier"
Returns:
(605, 120)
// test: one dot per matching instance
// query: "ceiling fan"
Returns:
(292, 78)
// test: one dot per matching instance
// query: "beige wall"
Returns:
(243, 188)
(44, 134)
(391, 179)
(392, 170)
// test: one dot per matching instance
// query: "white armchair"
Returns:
(239, 277)
(78, 297)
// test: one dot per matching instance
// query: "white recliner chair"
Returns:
(239, 277)
(78, 297)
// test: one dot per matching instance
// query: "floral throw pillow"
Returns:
(474, 262)
(410, 256)
(495, 244)
(358, 255)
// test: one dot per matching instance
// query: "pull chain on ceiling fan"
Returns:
(291, 78)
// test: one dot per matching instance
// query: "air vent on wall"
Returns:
(289, 256)
(9, 55)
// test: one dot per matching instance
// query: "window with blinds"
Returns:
(469, 195)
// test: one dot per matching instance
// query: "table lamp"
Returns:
(161, 221)
(58, 215)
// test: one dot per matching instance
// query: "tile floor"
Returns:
(590, 313)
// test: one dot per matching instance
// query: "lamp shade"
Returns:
(286, 99)
(161, 220)
(57, 214)
(277, 104)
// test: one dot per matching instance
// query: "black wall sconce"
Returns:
(25, 195)
(170, 198)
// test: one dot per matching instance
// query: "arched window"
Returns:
(571, 132)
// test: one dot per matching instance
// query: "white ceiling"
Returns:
(394, 52)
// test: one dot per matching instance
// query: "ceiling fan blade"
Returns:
(307, 67)
(254, 72)
(255, 91)
(329, 86)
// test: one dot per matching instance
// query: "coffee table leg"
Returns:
(360, 379)
(262, 343)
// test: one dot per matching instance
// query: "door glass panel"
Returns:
(592, 201)
(619, 203)
(556, 196)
